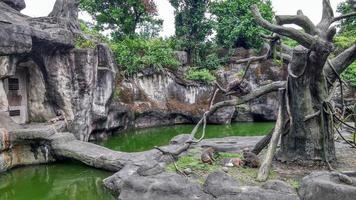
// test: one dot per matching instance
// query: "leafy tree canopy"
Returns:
(192, 25)
(235, 25)
(123, 17)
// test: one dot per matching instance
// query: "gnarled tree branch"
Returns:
(252, 95)
(341, 17)
(300, 20)
(327, 17)
(303, 38)
(340, 63)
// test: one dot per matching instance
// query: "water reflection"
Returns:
(62, 181)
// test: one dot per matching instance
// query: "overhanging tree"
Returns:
(122, 17)
(191, 24)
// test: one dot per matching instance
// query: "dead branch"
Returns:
(341, 17)
(327, 16)
(300, 20)
(252, 95)
(262, 143)
(304, 39)
(278, 129)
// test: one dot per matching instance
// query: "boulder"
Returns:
(279, 186)
(328, 186)
(219, 183)
(16, 4)
(164, 186)
(150, 168)
(256, 193)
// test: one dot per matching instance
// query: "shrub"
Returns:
(349, 74)
(135, 54)
(89, 38)
(202, 75)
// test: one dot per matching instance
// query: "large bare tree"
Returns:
(311, 77)
(308, 130)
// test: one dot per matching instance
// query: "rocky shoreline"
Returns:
(144, 175)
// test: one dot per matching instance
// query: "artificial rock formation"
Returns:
(57, 78)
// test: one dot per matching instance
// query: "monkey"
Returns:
(250, 159)
(207, 156)
(60, 117)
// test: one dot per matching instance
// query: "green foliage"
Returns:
(192, 161)
(349, 74)
(120, 16)
(235, 25)
(89, 37)
(345, 38)
(348, 24)
(289, 42)
(202, 75)
(82, 43)
(135, 54)
(192, 26)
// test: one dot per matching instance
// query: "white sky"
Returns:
(311, 8)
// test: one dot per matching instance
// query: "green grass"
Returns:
(245, 176)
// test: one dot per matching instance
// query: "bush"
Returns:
(349, 74)
(90, 36)
(135, 54)
(202, 75)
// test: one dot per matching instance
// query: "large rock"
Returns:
(219, 183)
(328, 186)
(165, 186)
(222, 186)
(16, 4)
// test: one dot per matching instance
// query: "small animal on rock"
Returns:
(250, 159)
(207, 156)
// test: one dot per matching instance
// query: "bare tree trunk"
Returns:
(310, 77)
(267, 162)
(307, 93)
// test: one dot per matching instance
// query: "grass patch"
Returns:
(294, 183)
(246, 176)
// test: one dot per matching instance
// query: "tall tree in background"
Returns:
(191, 23)
(346, 37)
(235, 26)
(123, 17)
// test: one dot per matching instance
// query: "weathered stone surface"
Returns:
(327, 186)
(150, 168)
(7, 66)
(6, 122)
(114, 182)
(16, 4)
(181, 139)
(219, 183)
(182, 57)
(39, 109)
(279, 186)
(256, 193)
(165, 186)
(4, 104)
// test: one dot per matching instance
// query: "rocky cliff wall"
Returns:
(83, 86)
(61, 81)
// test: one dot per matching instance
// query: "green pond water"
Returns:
(145, 139)
(59, 181)
(74, 181)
